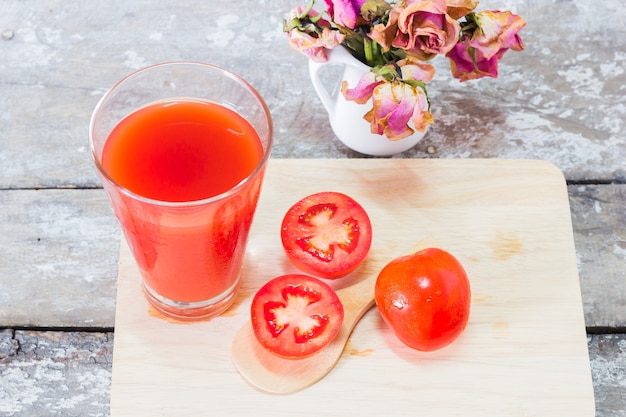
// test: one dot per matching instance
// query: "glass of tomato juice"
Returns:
(181, 149)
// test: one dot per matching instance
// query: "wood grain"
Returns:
(58, 260)
(599, 221)
(50, 374)
(32, 366)
(272, 374)
(550, 101)
(47, 236)
(524, 351)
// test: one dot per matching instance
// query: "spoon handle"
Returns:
(273, 374)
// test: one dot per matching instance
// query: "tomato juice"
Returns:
(174, 154)
(181, 151)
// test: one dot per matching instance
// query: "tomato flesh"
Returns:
(296, 315)
(424, 298)
(326, 234)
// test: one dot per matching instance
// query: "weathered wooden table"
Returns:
(562, 100)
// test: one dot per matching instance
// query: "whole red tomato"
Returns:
(424, 298)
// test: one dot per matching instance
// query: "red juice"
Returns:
(185, 151)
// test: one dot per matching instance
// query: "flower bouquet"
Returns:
(396, 39)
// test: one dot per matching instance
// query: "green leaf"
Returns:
(472, 54)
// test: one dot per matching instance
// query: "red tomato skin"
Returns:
(424, 298)
(325, 307)
(346, 257)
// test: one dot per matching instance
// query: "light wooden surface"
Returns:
(561, 100)
(275, 375)
(524, 351)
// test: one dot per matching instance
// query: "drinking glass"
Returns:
(164, 141)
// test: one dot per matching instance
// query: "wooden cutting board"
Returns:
(524, 352)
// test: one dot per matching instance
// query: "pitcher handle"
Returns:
(338, 55)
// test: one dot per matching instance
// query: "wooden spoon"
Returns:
(276, 375)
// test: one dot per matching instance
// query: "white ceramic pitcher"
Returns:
(346, 117)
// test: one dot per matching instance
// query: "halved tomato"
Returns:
(296, 315)
(326, 234)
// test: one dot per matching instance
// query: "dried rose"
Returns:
(397, 98)
(477, 54)
(468, 63)
(497, 31)
(309, 34)
(385, 33)
(345, 12)
(425, 29)
(458, 8)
